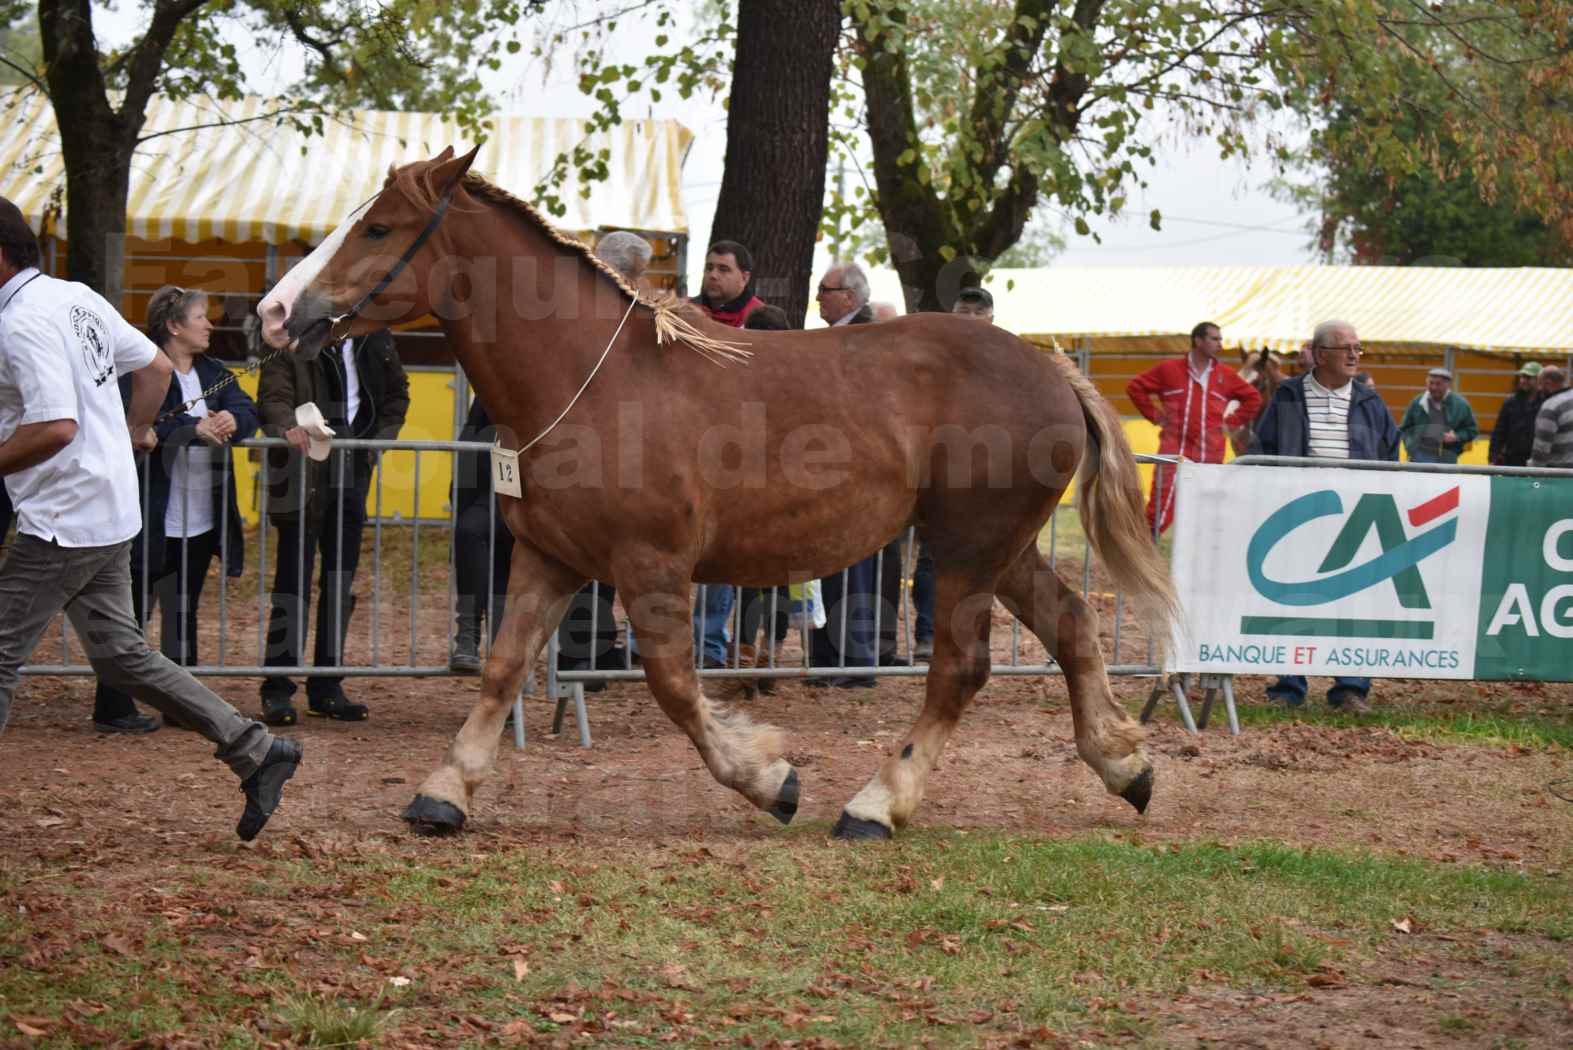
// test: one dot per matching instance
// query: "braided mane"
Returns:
(670, 325)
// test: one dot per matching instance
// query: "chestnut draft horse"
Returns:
(845, 436)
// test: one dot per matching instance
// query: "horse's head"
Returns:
(370, 272)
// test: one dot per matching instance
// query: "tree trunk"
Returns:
(96, 140)
(778, 142)
(96, 196)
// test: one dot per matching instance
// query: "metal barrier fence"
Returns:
(565, 685)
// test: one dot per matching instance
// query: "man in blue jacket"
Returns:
(1327, 415)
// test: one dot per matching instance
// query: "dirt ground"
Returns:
(68, 795)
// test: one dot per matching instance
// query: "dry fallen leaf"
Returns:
(29, 1029)
(356, 935)
(937, 884)
(562, 1018)
(399, 982)
(1403, 925)
(49, 822)
(520, 969)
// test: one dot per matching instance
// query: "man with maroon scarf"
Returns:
(727, 290)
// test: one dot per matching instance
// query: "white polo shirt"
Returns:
(62, 352)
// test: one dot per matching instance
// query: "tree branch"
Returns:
(227, 123)
(32, 78)
(996, 90)
(906, 204)
(145, 61)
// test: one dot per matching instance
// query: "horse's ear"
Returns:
(449, 169)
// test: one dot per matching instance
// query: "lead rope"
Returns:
(229, 377)
(586, 384)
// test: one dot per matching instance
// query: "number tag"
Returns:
(505, 472)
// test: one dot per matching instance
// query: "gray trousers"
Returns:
(93, 586)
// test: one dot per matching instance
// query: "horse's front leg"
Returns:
(741, 754)
(539, 590)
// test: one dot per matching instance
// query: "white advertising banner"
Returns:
(1329, 571)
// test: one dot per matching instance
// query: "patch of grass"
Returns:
(1413, 723)
(316, 1021)
(941, 936)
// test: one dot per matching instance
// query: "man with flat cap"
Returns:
(1439, 424)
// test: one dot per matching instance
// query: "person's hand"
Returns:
(297, 438)
(1450, 438)
(144, 439)
(217, 428)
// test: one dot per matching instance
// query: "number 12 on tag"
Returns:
(505, 472)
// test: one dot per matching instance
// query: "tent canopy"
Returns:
(262, 181)
(1501, 310)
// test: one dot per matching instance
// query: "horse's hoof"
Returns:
(785, 807)
(432, 816)
(854, 829)
(1139, 791)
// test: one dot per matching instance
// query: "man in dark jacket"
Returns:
(1327, 415)
(851, 596)
(726, 292)
(362, 391)
(1513, 436)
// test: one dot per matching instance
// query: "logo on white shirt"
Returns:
(93, 336)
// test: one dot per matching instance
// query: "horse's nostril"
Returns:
(271, 310)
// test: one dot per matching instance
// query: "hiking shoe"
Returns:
(130, 724)
(1286, 697)
(278, 711)
(338, 707)
(1348, 701)
(465, 657)
(265, 787)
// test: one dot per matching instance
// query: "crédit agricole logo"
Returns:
(1432, 526)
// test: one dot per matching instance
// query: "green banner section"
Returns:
(1526, 593)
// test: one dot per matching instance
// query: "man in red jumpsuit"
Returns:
(1192, 399)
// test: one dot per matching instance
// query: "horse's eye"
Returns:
(377, 231)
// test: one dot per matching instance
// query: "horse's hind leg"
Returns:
(1107, 739)
(740, 754)
(538, 593)
(957, 670)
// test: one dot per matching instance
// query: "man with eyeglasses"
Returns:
(1327, 415)
(843, 297)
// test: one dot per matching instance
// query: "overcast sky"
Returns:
(1216, 213)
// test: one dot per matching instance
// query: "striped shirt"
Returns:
(1554, 432)
(1328, 414)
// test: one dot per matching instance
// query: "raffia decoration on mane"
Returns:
(670, 325)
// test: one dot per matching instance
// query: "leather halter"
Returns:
(348, 317)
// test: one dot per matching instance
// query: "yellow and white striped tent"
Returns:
(251, 179)
(1512, 311)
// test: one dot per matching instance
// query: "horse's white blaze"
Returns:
(277, 306)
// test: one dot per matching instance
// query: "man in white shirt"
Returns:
(1327, 415)
(65, 455)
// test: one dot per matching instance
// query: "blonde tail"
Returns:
(1114, 516)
